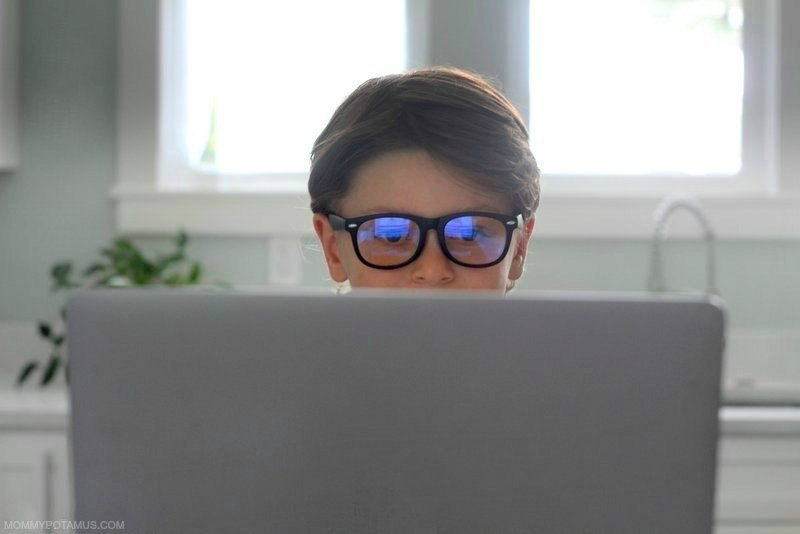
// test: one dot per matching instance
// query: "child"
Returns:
(425, 180)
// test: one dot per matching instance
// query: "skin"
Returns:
(411, 181)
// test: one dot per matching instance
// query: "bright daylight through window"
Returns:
(263, 78)
(637, 87)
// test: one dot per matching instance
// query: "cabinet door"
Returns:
(758, 485)
(23, 485)
(34, 479)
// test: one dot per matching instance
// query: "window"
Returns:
(174, 167)
(645, 89)
(254, 83)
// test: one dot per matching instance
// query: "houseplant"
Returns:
(122, 264)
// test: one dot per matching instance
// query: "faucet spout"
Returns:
(661, 216)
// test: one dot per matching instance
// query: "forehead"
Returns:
(411, 181)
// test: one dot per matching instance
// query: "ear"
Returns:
(521, 248)
(330, 246)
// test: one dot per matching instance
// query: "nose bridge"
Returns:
(432, 262)
(432, 242)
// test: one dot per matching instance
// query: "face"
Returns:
(412, 182)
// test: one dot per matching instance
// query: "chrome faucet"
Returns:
(666, 208)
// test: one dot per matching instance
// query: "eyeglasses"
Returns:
(393, 240)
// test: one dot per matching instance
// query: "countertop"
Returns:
(48, 409)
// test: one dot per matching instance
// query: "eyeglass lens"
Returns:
(473, 240)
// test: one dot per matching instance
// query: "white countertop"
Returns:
(34, 409)
(760, 420)
(48, 409)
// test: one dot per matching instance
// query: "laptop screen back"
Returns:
(283, 411)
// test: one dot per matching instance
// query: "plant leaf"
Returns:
(123, 243)
(109, 253)
(26, 371)
(172, 258)
(132, 263)
(61, 270)
(173, 280)
(96, 267)
(105, 279)
(196, 273)
(44, 330)
(50, 370)
(60, 273)
(142, 270)
(182, 239)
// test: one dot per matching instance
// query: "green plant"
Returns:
(123, 265)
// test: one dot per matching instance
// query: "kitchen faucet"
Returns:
(665, 209)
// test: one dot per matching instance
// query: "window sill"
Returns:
(141, 209)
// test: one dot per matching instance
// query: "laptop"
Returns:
(299, 411)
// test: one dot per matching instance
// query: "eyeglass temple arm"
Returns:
(337, 223)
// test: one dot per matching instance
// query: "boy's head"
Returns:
(428, 143)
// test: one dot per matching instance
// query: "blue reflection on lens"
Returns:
(475, 240)
(392, 229)
(461, 228)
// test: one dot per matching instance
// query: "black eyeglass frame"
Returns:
(510, 222)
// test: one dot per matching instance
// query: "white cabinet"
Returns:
(9, 84)
(759, 471)
(35, 469)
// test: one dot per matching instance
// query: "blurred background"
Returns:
(138, 118)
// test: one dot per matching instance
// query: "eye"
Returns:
(393, 238)
(471, 234)
(392, 229)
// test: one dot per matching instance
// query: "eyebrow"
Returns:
(386, 209)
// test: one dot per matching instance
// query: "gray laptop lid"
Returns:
(279, 411)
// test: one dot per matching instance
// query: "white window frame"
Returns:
(150, 162)
(769, 199)
(760, 129)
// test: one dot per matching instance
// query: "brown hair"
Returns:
(454, 115)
